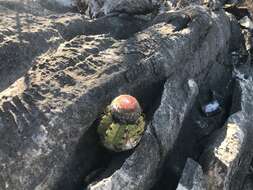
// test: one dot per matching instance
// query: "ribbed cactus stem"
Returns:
(125, 109)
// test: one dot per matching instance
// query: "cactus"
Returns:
(122, 125)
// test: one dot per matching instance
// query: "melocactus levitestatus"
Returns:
(122, 125)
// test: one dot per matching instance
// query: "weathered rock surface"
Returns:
(20, 34)
(165, 125)
(192, 177)
(227, 158)
(55, 91)
(58, 5)
(104, 7)
(30, 7)
(136, 172)
(45, 113)
(98, 8)
(248, 184)
(197, 126)
(183, 3)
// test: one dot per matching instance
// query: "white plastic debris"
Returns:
(211, 108)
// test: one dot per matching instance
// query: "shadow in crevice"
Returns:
(195, 132)
(149, 99)
(89, 155)
(189, 144)
(91, 161)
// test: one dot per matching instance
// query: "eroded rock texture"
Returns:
(226, 161)
(105, 7)
(59, 71)
(176, 101)
(136, 172)
(192, 177)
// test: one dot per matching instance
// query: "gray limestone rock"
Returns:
(178, 97)
(104, 7)
(228, 155)
(248, 184)
(48, 115)
(137, 172)
(24, 37)
(192, 177)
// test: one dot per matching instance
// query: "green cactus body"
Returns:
(119, 136)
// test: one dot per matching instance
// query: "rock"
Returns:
(192, 177)
(248, 185)
(246, 22)
(237, 36)
(43, 126)
(197, 127)
(248, 40)
(184, 3)
(34, 7)
(65, 3)
(228, 156)
(59, 6)
(247, 48)
(233, 1)
(63, 6)
(169, 117)
(19, 47)
(221, 161)
(137, 172)
(165, 127)
(105, 7)
(238, 11)
(82, 6)
(212, 4)
(19, 50)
